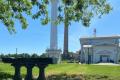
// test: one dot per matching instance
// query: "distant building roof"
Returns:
(100, 37)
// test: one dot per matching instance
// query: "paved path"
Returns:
(107, 64)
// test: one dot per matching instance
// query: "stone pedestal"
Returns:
(55, 54)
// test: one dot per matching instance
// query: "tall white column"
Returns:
(53, 34)
(53, 51)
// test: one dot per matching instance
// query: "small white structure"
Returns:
(100, 49)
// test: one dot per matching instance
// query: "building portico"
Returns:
(100, 49)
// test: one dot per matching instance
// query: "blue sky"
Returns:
(35, 39)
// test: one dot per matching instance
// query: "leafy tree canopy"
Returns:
(75, 10)
(11, 10)
(82, 10)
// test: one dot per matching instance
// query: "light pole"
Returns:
(16, 52)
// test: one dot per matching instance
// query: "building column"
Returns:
(29, 72)
(88, 55)
(41, 72)
(117, 55)
(92, 55)
(82, 54)
(17, 72)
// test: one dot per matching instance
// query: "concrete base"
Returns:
(55, 54)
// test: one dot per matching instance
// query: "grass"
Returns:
(83, 69)
(87, 72)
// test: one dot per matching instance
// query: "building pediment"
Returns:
(99, 42)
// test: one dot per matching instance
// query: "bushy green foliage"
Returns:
(12, 10)
(69, 10)
(22, 55)
(82, 10)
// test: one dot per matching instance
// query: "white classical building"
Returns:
(100, 49)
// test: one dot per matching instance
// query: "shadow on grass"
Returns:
(65, 77)
(4, 76)
(81, 77)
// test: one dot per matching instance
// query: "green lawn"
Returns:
(111, 72)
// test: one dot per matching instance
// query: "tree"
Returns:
(69, 11)
(80, 11)
(43, 55)
(34, 55)
(11, 10)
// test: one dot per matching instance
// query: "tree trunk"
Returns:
(66, 25)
